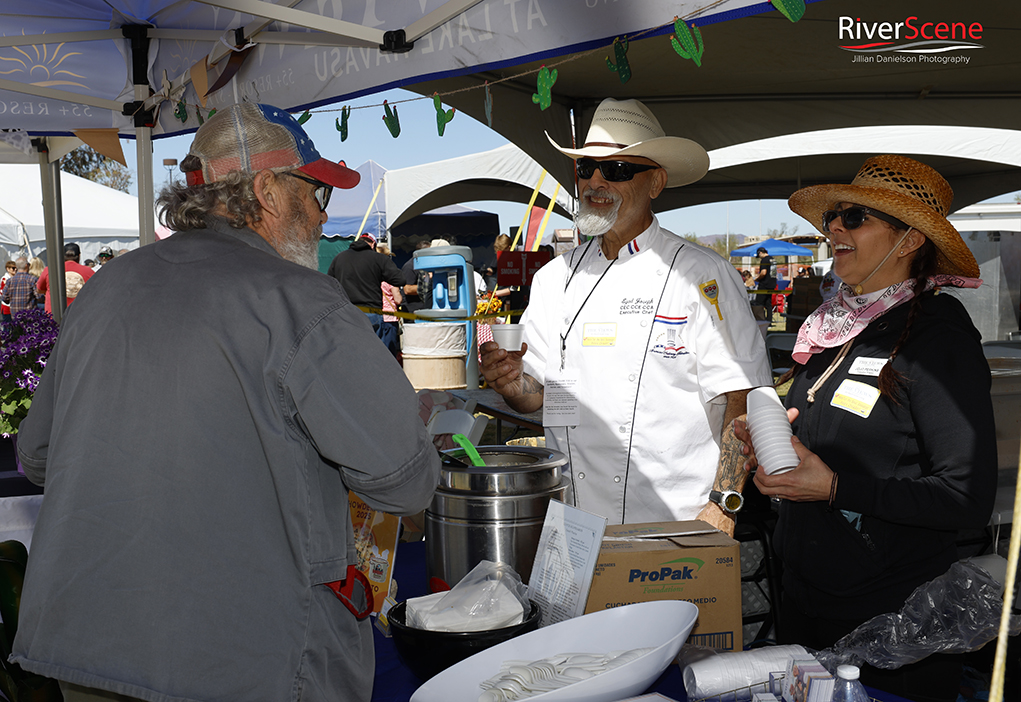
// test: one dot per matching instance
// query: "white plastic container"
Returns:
(771, 432)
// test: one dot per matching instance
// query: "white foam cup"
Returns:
(508, 336)
(770, 431)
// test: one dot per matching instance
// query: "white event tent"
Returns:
(93, 214)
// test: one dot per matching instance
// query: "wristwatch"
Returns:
(729, 501)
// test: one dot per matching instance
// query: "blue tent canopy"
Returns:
(774, 247)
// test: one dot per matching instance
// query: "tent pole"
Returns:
(50, 177)
(143, 152)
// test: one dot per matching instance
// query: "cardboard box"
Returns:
(688, 561)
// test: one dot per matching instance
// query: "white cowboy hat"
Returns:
(628, 128)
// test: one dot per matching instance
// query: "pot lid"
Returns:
(508, 470)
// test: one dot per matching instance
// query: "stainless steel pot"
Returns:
(493, 512)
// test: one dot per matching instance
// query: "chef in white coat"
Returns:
(640, 346)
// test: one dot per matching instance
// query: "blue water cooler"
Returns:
(453, 291)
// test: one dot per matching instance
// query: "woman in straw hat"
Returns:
(892, 418)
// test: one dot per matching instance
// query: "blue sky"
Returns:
(419, 143)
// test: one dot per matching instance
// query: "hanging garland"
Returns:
(341, 123)
(622, 68)
(392, 121)
(687, 42)
(686, 47)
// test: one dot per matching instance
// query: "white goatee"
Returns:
(593, 222)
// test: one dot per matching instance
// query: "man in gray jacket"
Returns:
(197, 427)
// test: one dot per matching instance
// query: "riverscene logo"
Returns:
(913, 40)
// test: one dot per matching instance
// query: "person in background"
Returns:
(638, 335)
(890, 406)
(19, 293)
(104, 256)
(89, 263)
(5, 309)
(360, 271)
(207, 553)
(501, 243)
(35, 267)
(392, 299)
(75, 276)
(765, 279)
(417, 290)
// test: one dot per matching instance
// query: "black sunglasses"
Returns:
(321, 193)
(612, 171)
(854, 216)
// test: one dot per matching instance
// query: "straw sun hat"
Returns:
(903, 188)
(628, 128)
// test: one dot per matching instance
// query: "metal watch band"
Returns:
(729, 500)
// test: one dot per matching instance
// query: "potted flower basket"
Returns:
(25, 344)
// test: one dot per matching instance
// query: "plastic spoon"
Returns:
(469, 448)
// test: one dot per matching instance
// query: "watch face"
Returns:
(732, 501)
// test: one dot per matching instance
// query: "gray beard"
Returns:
(594, 223)
(304, 252)
(301, 245)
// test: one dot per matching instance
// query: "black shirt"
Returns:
(360, 271)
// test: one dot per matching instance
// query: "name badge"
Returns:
(867, 366)
(599, 334)
(856, 398)
(560, 406)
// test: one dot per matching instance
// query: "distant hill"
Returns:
(735, 239)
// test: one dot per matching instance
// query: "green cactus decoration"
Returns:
(688, 50)
(489, 106)
(305, 116)
(341, 124)
(791, 9)
(622, 68)
(211, 113)
(392, 120)
(442, 118)
(545, 81)
(181, 111)
(198, 113)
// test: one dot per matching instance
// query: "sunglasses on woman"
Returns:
(321, 193)
(854, 216)
(612, 171)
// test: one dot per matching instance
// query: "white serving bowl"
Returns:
(662, 626)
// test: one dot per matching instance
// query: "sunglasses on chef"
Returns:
(612, 171)
(853, 217)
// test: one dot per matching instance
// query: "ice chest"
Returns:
(674, 561)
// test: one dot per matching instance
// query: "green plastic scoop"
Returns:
(469, 448)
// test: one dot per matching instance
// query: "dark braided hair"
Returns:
(923, 266)
(891, 381)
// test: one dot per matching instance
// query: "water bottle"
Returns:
(848, 688)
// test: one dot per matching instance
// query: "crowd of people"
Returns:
(25, 284)
(214, 531)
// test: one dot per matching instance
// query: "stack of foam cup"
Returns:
(508, 336)
(771, 432)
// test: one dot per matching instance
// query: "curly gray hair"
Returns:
(182, 208)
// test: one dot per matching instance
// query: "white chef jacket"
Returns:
(654, 354)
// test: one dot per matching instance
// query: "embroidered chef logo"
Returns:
(711, 292)
(636, 305)
(666, 335)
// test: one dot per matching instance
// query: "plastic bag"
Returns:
(491, 596)
(955, 613)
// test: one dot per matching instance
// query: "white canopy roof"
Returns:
(93, 214)
(506, 173)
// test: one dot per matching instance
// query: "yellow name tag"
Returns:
(599, 334)
(855, 397)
